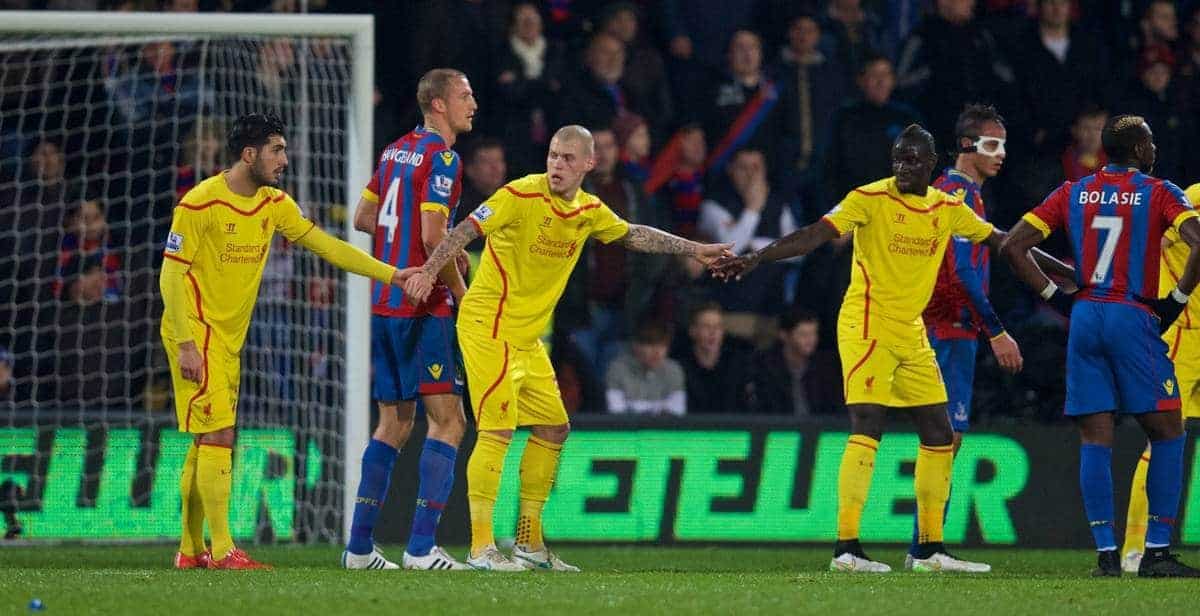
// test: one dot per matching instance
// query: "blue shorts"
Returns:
(1116, 361)
(956, 360)
(410, 357)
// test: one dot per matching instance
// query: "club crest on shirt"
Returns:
(447, 157)
(1169, 386)
(435, 370)
(961, 194)
(174, 242)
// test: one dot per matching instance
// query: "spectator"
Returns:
(84, 279)
(528, 77)
(645, 76)
(812, 87)
(863, 131)
(1159, 26)
(596, 97)
(749, 214)
(485, 171)
(696, 29)
(643, 380)
(741, 110)
(610, 288)
(715, 366)
(157, 83)
(87, 237)
(1084, 156)
(949, 60)
(855, 32)
(200, 157)
(633, 139)
(793, 377)
(1060, 67)
(1153, 97)
(678, 176)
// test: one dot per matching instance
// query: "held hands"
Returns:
(415, 282)
(1008, 354)
(709, 253)
(191, 364)
(730, 267)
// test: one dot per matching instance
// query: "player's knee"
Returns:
(867, 421)
(448, 427)
(553, 434)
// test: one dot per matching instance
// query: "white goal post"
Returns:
(31, 30)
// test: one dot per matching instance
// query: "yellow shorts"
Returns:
(1184, 345)
(211, 404)
(890, 363)
(510, 386)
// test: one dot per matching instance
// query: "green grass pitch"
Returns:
(620, 579)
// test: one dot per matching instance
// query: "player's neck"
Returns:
(442, 127)
(239, 182)
(966, 169)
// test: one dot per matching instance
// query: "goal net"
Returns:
(106, 120)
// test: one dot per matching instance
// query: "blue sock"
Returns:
(912, 548)
(1095, 481)
(437, 478)
(377, 462)
(1164, 481)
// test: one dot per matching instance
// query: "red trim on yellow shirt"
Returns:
(207, 204)
(503, 290)
(901, 202)
(499, 379)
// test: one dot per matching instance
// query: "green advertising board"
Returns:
(710, 484)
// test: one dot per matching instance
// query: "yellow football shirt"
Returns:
(1173, 261)
(224, 238)
(899, 241)
(533, 242)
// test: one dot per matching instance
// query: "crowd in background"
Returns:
(723, 121)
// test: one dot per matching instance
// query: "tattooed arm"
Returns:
(418, 282)
(648, 239)
(800, 242)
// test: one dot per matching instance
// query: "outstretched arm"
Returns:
(1189, 231)
(1051, 266)
(801, 242)
(346, 256)
(641, 238)
(418, 282)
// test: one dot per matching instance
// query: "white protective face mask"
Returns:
(989, 146)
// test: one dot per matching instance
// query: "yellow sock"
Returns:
(483, 484)
(854, 480)
(191, 540)
(932, 483)
(1139, 508)
(538, 467)
(214, 479)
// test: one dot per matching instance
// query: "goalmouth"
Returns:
(96, 86)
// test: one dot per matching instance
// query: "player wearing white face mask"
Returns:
(959, 310)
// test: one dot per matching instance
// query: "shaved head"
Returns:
(574, 133)
(914, 134)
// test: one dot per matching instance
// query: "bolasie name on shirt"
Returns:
(1096, 197)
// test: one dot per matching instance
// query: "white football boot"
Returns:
(492, 560)
(541, 560)
(849, 563)
(941, 561)
(436, 560)
(374, 560)
(1131, 562)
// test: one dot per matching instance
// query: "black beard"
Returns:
(261, 179)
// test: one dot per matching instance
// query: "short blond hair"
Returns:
(435, 84)
(578, 134)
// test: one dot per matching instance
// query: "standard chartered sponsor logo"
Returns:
(913, 246)
(550, 247)
(242, 254)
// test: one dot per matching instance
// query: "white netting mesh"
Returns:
(99, 137)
